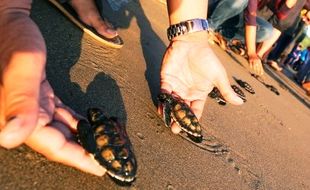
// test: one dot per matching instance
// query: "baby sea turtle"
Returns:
(215, 94)
(176, 109)
(245, 85)
(239, 92)
(273, 89)
(270, 87)
(108, 141)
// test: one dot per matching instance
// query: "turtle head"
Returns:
(165, 98)
(95, 114)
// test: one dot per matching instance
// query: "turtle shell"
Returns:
(108, 141)
(215, 94)
(180, 112)
(239, 92)
(245, 85)
(273, 89)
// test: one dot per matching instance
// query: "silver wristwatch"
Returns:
(189, 26)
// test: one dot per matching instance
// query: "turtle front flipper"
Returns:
(86, 136)
(167, 114)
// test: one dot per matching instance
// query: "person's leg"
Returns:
(89, 14)
(222, 10)
(267, 44)
(263, 30)
(282, 42)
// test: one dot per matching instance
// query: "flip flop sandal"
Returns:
(108, 142)
(69, 12)
(245, 85)
(239, 92)
(215, 94)
(175, 109)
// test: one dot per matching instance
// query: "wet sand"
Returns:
(268, 136)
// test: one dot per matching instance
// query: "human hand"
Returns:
(256, 66)
(190, 69)
(30, 113)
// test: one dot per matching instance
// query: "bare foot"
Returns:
(88, 13)
(274, 65)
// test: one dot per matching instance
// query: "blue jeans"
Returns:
(226, 17)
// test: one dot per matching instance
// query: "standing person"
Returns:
(30, 113)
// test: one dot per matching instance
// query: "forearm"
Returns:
(250, 39)
(182, 10)
(20, 38)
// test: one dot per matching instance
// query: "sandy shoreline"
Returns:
(268, 135)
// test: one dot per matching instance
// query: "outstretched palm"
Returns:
(190, 69)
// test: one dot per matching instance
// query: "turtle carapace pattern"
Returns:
(174, 108)
(108, 141)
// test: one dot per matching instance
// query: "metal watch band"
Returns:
(189, 26)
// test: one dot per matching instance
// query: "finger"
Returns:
(22, 120)
(175, 128)
(21, 100)
(59, 149)
(59, 103)
(62, 129)
(165, 87)
(187, 102)
(64, 116)
(251, 65)
(197, 107)
(160, 109)
(261, 69)
(229, 95)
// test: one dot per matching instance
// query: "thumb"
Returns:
(20, 101)
(19, 126)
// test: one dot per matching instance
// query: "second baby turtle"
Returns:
(107, 140)
(176, 109)
(215, 94)
(245, 85)
(239, 92)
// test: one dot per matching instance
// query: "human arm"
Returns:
(255, 63)
(282, 10)
(190, 69)
(30, 113)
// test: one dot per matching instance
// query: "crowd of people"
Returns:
(264, 38)
(30, 113)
